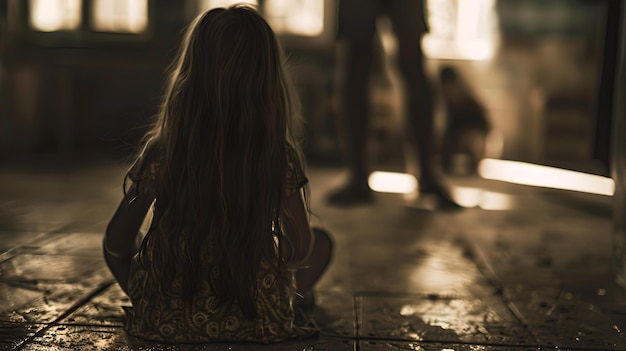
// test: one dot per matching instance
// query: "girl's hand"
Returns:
(121, 234)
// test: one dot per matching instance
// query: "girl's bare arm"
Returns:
(308, 250)
(121, 235)
(300, 240)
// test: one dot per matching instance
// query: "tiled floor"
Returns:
(534, 276)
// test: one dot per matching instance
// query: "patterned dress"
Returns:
(160, 314)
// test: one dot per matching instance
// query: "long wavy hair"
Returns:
(223, 128)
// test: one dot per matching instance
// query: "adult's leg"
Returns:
(357, 26)
(408, 23)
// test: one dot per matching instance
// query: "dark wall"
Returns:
(81, 90)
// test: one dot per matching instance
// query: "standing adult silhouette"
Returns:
(357, 30)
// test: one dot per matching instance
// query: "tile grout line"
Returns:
(15, 250)
(487, 270)
(516, 346)
(357, 331)
(69, 311)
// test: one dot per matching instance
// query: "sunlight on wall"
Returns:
(295, 17)
(55, 15)
(204, 5)
(460, 29)
(128, 16)
(391, 182)
(543, 176)
(298, 17)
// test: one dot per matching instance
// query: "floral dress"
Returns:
(161, 315)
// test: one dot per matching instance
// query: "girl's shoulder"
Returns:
(143, 171)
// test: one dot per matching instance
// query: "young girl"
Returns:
(222, 172)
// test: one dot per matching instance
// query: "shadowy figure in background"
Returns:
(357, 29)
(229, 250)
(464, 140)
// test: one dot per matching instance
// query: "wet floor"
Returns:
(534, 274)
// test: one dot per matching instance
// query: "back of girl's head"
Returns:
(229, 63)
(223, 130)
